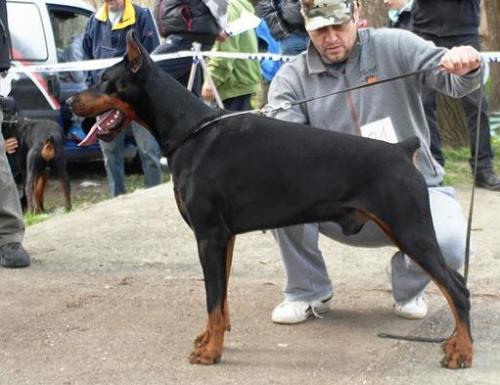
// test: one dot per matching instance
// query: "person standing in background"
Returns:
(451, 23)
(105, 37)
(235, 80)
(184, 22)
(12, 252)
(286, 24)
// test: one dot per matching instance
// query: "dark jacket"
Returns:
(282, 16)
(188, 18)
(404, 21)
(446, 17)
(102, 41)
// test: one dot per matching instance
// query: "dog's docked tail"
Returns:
(48, 151)
(410, 145)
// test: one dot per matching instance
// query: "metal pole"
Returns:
(197, 49)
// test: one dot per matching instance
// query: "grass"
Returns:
(458, 171)
(458, 174)
(84, 197)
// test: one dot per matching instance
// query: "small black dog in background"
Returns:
(40, 150)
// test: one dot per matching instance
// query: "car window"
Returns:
(67, 24)
(26, 45)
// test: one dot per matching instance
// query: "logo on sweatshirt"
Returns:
(369, 75)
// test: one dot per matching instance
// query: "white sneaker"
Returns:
(415, 308)
(293, 312)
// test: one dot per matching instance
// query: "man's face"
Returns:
(334, 42)
(115, 5)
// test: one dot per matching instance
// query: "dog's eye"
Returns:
(121, 85)
(104, 78)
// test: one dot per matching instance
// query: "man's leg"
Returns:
(150, 153)
(306, 274)
(12, 253)
(308, 288)
(485, 174)
(408, 279)
(238, 103)
(113, 163)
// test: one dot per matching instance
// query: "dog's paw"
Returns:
(458, 354)
(205, 356)
(202, 340)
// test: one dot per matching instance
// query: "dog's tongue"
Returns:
(95, 130)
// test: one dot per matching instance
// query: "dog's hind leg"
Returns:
(65, 184)
(458, 348)
(215, 253)
(40, 183)
(418, 241)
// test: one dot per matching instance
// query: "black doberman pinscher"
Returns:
(250, 172)
(40, 150)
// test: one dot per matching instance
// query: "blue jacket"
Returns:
(102, 41)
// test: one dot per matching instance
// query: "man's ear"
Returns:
(356, 11)
(134, 54)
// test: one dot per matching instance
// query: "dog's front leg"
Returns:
(216, 258)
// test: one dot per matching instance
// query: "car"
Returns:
(44, 32)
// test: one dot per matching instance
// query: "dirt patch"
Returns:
(115, 296)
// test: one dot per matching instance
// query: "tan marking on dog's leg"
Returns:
(458, 348)
(38, 192)
(48, 151)
(211, 351)
(202, 339)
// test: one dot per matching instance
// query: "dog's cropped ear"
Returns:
(134, 53)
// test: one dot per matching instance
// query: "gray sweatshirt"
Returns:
(378, 54)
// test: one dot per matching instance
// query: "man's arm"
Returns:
(459, 67)
(284, 88)
(218, 9)
(269, 10)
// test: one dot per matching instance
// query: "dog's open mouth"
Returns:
(106, 128)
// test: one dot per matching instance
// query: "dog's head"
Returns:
(115, 100)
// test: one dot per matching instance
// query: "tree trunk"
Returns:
(492, 43)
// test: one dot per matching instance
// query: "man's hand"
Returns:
(207, 92)
(461, 60)
(11, 145)
(222, 36)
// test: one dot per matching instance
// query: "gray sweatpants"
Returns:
(11, 216)
(306, 274)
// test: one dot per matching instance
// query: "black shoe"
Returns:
(13, 255)
(488, 180)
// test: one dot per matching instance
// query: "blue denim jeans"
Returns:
(294, 44)
(149, 152)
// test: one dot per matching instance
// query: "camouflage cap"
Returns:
(321, 13)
